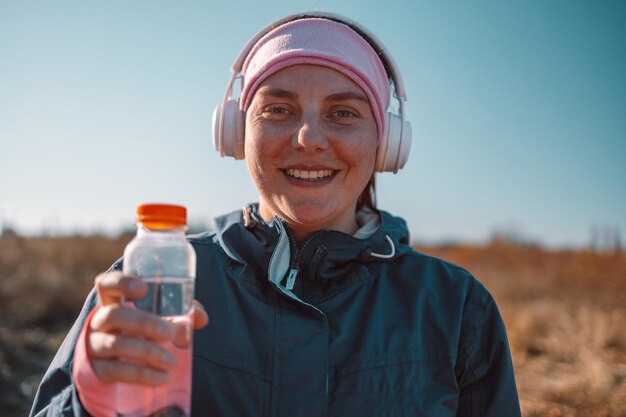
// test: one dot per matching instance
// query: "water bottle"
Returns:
(162, 257)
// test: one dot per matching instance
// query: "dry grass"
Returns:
(43, 284)
(564, 310)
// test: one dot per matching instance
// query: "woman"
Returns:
(318, 305)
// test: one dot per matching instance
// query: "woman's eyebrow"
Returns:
(349, 95)
(277, 92)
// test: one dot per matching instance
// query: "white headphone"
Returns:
(228, 119)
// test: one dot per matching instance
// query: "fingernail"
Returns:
(169, 357)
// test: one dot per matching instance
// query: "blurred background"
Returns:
(516, 171)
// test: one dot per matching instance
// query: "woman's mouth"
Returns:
(310, 175)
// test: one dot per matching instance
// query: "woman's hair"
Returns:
(367, 199)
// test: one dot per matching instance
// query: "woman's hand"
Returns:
(126, 344)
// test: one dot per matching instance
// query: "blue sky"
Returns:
(518, 112)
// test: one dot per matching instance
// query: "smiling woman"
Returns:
(318, 305)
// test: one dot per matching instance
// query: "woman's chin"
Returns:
(313, 219)
(303, 221)
(309, 215)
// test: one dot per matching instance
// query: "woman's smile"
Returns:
(311, 175)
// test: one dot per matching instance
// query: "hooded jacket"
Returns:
(338, 326)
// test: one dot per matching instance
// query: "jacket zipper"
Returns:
(295, 266)
(291, 278)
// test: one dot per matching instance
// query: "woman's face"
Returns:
(310, 148)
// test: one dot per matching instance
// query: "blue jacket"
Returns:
(339, 326)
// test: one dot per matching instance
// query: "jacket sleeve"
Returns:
(56, 395)
(484, 366)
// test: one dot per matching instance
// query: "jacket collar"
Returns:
(327, 256)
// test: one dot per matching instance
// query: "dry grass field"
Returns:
(565, 313)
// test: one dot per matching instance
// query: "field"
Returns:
(565, 313)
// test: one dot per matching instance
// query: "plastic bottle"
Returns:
(164, 259)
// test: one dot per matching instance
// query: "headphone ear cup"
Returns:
(228, 131)
(216, 122)
(393, 151)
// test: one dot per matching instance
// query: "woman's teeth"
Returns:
(309, 175)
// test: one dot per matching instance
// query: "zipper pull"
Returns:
(291, 279)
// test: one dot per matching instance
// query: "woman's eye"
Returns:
(275, 111)
(344, 114)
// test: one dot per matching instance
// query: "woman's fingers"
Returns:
(138, 352)
(114, 287)
(200, 317)
(115, 318)
(113, 371)
(130, 321)
(182, 338)
(196, 319)
(126, 344)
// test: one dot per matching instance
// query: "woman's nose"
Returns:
(310, 136)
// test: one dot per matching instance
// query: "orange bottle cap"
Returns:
(161, 216)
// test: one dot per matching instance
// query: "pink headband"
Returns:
(318, 41)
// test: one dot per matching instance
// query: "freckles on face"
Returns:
(310, 147)
(260, 151)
